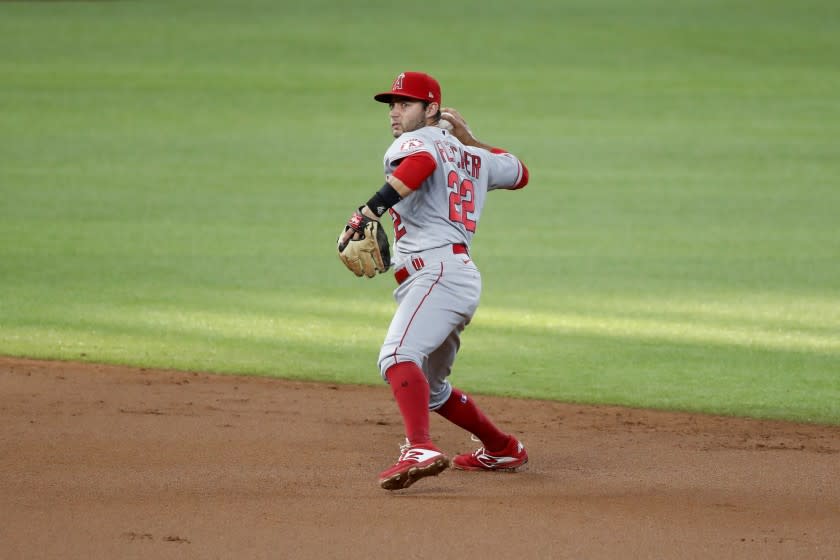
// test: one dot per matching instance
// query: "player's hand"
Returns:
(353, 231)
(460, 130)
(347, 235)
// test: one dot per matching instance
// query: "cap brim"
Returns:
(388, 95)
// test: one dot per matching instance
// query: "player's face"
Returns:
(406, 115)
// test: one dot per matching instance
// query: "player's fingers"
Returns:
(452, 116)
(347, 236)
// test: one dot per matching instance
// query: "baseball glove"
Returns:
(368, 254)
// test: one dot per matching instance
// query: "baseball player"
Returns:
(437, 176)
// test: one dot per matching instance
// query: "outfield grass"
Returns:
(173, 178)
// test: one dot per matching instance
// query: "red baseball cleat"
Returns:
(415, 462)
(512, 458)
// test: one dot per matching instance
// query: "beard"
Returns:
(410, 126)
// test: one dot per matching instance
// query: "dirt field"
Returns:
(107, 462)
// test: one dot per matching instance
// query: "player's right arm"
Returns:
(512, 174)
(461, 130)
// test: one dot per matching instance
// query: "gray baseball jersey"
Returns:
(433, 228)
(447, 206)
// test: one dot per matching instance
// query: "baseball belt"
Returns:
(402, 273)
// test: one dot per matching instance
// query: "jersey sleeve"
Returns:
(506, 171)
(407, 145)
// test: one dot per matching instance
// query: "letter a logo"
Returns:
(398, 83)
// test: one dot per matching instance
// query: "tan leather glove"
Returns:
(370, 252)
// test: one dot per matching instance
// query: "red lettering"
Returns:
(464, 163)
(469, 162)
(454, 150)
(476, 166)
(441, 150)
(399, 229)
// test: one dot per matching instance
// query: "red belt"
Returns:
(403, 273)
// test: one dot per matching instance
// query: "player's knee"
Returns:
(439, 392)
(390, 359)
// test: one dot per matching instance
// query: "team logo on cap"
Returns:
(398, 83)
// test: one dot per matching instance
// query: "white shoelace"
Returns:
(404, 448)
(480, 450)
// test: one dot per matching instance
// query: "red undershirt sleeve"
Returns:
(415, 169)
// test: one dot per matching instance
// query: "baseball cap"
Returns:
(414, 85)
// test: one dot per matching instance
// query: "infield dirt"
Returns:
(109, 462)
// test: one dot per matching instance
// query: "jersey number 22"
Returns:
(461, 200)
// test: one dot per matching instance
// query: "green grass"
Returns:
(174, 175)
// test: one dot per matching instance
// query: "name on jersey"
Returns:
(465, 160)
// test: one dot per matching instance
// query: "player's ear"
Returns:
(432, 109)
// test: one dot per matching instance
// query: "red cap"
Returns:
(415, 85)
